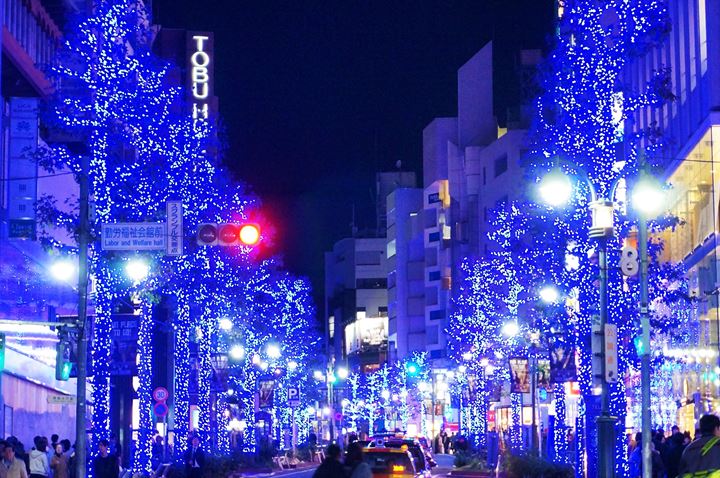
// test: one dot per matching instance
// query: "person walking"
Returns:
(59, 462)
(331, 466)
(12, 467)
(195, 459)
(39, 463)
(703, 454)
(354, 464)
(106, 465)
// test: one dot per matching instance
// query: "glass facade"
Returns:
(693, 197)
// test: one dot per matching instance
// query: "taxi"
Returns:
(391, 463)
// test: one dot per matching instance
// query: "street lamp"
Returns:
(555, 188)
(137, 270)
(342, 373)
(510, 329)
(225, 324)
(554, 191)
(647, 201)
(273, 351)
(237, 352)
(549, 294)
(64, 270)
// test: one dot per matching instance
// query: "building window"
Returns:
(434, 237)
(437, 354)
(372, 283)
(501, 165)
(437, 314)
(433, 276)
(22, 187)
(368, 258)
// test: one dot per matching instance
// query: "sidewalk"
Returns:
(261, 473)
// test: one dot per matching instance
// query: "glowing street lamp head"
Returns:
(648, 197)
(467, 356)
(249, 234)
(137, 270)
(342, 373)
(273, 351)
(292, 365)
(555, 188)
(549, 294)
(237, 352)
(64, 270)
(225, 324)
(511, 329)
(318, 375)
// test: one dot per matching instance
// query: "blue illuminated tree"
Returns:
(114, 98)
(271, 312)
(580, 127)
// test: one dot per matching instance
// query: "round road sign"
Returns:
(160, 409)
(160, 394)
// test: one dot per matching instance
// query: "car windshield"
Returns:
(414, 450)
(387, 462)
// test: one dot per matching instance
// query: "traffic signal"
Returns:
(2, 351)
(412, 368)
(63, 366)
(212, 234)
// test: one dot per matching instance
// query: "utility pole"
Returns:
(82, 352)
(645, 352)
(605, 422)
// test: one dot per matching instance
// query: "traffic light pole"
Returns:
(82, 352)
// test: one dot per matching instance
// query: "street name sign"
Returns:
(134, 236)
(61, 399)
(174, 228)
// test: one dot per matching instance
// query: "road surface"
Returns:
(444, 466)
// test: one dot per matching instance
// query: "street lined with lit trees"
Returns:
(564, 336)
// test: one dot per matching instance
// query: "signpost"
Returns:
(293, 397)
(160, 409)
(174, 228)
(134, 236)
(611, 365)
(61, 399)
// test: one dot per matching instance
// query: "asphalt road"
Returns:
(444, 466)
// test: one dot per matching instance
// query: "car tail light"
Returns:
(398, 468)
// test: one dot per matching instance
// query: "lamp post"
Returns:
(556, 189)
(647, 199)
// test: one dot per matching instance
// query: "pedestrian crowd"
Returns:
(353, 466)
(677, 455)
(46, 459)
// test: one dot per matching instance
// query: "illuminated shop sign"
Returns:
(200, 73)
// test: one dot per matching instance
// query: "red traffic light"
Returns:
(249, 234)
(228, 234)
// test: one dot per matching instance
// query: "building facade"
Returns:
(33, 401)
(470, 166)
(691, 125)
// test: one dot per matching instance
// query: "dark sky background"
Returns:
(317, 96)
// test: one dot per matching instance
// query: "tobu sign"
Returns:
(200, 73)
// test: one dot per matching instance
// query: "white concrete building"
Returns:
(469, 166)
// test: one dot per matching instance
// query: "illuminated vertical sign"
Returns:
(200, 74)
(22, 168)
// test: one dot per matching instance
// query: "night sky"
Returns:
(317, 96)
